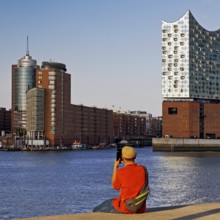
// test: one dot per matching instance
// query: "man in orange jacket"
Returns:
(129, 180)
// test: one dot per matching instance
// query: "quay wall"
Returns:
(185, 144)
(208, 211)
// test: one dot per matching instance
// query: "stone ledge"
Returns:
(209, 211)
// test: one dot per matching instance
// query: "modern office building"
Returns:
(35, 113)
(190, 79)
(52, 77)
(190, 60)
(23, 79)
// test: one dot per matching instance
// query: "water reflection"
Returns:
(184, 178)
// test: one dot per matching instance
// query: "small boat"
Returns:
(95, 147)
(78, 146)
(123, 142)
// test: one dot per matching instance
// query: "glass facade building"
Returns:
(23, 79)
(190, 60)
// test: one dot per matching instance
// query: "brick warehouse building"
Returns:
(5, 120)
(190, 79)
(92, 125)
(191, 120)
(127, 125)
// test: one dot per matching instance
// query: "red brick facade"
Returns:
(184, 123)
(212, 120)
(191, 119)
(127, 125)
(92, 125)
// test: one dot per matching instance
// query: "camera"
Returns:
(119, 153)
(119, 149)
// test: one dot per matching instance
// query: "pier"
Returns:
(205, 211)
(185, 144)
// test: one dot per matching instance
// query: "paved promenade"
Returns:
(210, 211)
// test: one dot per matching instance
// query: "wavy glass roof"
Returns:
(190, 60)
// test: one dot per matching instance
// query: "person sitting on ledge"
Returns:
(129, 180)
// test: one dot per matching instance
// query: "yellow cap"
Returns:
(128, 152)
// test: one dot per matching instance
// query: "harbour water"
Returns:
(66, 182)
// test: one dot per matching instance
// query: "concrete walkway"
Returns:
(198, 211)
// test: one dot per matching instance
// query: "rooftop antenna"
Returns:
(27, 51)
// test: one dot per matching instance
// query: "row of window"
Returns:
(175, 31)
(170, 43)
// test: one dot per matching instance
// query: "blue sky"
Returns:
(111, 48)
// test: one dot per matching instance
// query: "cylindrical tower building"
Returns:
(23, 79)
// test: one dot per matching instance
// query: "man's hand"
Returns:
(116, 164)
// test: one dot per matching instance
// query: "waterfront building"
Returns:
(5, 121)
(52, 77)
(23, 79)
(190, 60)
(92, 125)
(35, 113)
(156, 127)
(2, 119)
(149, 121)
(190, 79)
(129, 125)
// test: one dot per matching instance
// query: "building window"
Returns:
(172, 111)
(52, 73)
(51, 87)
(52, 77)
